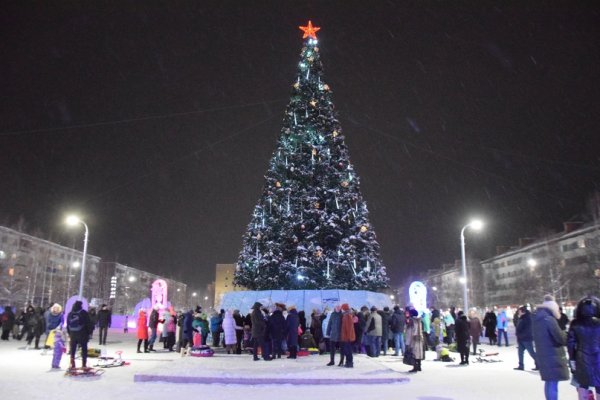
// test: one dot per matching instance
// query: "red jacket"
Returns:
(347, 334)
(142, 326)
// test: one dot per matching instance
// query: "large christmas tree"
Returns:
(310, 229)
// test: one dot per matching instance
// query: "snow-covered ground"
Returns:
(27, 374)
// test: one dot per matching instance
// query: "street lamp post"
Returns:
(72, 221)
(476, 225)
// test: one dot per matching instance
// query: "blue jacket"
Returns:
(215, 322)
(502, 321)
(334, 327)
(550, 343)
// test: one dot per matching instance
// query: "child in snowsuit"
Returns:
(59, 348)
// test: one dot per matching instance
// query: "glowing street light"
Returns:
(73, 220)
(475, 225)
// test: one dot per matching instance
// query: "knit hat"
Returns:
(551, 305)
(345, 307)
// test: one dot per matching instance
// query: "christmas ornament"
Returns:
(344, 183)
(309, 31)
(335, 133)
(314, 152)
(326, 87)
(278, 184)
(363, 229)
(296, 85)
(313, 103)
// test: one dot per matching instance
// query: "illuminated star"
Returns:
(313, 103)
(309, 31)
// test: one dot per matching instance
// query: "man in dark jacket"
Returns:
(277, 329)
(153, 325)
(292, 322)
(525, 336)
(397, 326)
(385, 328)
(550, 343)
(334, 331)
(79, 327)
(104, 321)
(461, 330)
(259, 330)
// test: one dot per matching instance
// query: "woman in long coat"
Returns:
(583, 344)
(474, 329)
(414, 338)
(490, 322)
(292, 322)
(142, 330)
(229, 331)
(550, 343)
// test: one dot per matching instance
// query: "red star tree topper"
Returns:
(309, 31)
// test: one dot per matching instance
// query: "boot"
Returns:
(72, 363)
(146, 347)
(419, 365)
(138, 346)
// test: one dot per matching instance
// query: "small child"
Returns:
(59, 348)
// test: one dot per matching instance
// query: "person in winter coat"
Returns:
(153, 325)
(490, 322)
(360, 345)
(550, 343)
(215, 328)
(229, 331)
(35, 326)
(54, 319)
(292, 323)
(200, 326)
(277, 329)
(563, 321)
(8, 322)
(449, 323)
(188, 329)
(583, 344)
(316, 328)
(169, 329)
(79, 327)
(142, 330)
(397, 326)
(93, 320)
(414, 338)
(239, 333)
(475, 329)
(525, 336)
(461, 330)
(385, 329)
(334, 331)
(259, 330)
(347, 335)
(502, 326)
(104, 322)
(374, 332)
(59, 348)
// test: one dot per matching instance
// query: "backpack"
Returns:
(75, 324)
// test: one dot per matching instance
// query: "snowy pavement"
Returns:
(27, 374)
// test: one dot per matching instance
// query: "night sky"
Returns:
(157, 122)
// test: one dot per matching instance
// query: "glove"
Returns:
(572, 364)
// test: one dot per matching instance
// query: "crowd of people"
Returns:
(555, 344)
(31, 324)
